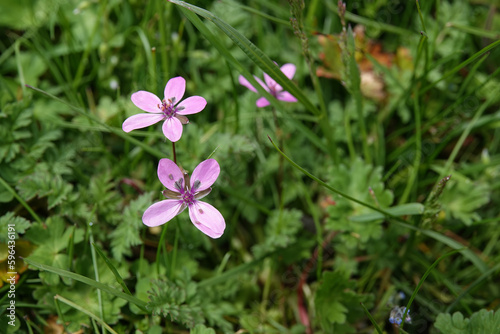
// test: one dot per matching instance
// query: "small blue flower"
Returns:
(396, 316)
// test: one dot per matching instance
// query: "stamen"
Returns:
(196, 184)
(170, 176)
(200, 211)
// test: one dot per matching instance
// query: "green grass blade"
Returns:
(462, 65)
(408, 209)
(254, 53)
(467, 253)
(374, 323)
(64, 273)
(427, 272)
(81, 309)
(472, 286)
(111, 267)
(119, 132)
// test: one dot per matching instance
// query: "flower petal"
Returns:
(262, 102)
(191, 105)
(141, 121)
(286, 96)
(246, 83)
(172, 129)
(169, 173)
(162, 212)
(175, 88)
(288, 70)
(269, 81)
(205, 174)
(207, 219)
(261, 83)
(146, 101)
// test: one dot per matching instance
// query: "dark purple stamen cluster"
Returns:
(168, 108)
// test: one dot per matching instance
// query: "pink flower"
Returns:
(169, 109)
(272, 86)
(184, 192)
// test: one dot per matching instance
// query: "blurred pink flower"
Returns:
(169, 109)
(272, 86)
(184, 192)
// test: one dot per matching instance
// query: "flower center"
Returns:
(168, 107)
(188, 197)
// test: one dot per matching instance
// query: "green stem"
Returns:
(163, 38)
(173, 153)
(418, 151)
(160, 246)
(96, 272)
(174, 252)
(20, 200)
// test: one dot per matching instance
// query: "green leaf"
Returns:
(281, 231)
(127, 232)
(170, 299)
(88, 281)
(483, 321)
(364, 182)
(20, 226)
(255, 54)
(201, 329)
(336, 302)
(408, 209)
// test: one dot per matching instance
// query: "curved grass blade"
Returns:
(374, 323)
(467, 253)
(118, 132)
(64, 273)
(427, 272)
(111, 267)
(254, 53)
(462, 65)
(81, 309)
(472, 286)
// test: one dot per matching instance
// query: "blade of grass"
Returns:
(374, 323)
(467, 253)
(118, 132)
(461, 65)
(253, 52)
(96, 271)
(20, 200)
(427, 272)
(466, 132)
(64, 273)
(111, 267)
(472, 286)
(88, 313)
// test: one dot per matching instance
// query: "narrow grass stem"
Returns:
(163, 37)
(418, 151)
(161, 244)
(20, 200)
(96, 272)
(461, 140)
(90, 314)
(173, 261)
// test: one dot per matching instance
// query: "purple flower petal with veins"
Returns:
(272, 86)
(171, 109)
(184, 192)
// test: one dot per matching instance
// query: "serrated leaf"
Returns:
(20, 225)
(335, 301)
(364, 182)
(483, 321)
(281, 231)
(201, 329)
(127, 233)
